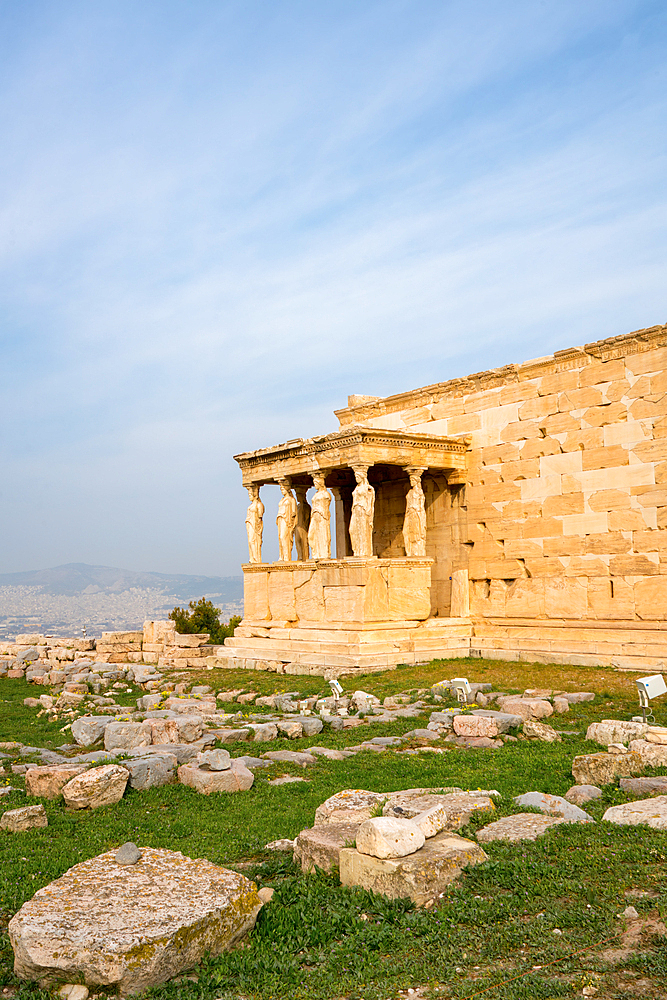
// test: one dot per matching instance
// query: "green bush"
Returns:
(203, 616)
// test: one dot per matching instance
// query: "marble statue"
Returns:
(303, 514)
(286, 521)
(319, 533)
(363, 510)
(414, 525)
(254, 524)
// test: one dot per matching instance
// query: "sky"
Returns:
(219, 218)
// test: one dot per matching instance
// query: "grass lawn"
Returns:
(492, 936)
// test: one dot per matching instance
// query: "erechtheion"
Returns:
(517, 513)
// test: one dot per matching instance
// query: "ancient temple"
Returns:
(516, 513)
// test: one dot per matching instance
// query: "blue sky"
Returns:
(217, 219)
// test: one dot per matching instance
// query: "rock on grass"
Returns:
(131, 926)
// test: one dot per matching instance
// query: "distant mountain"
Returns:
(78, 578)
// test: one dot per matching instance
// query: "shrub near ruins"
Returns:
(203, 616)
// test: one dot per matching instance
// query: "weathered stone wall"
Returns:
(564, 513)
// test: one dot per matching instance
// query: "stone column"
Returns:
(254, 524)
(302, 523)
(460, 602)
(363, 511)
(286, 521)
(414, 525)
(343, 511)
(319, 534)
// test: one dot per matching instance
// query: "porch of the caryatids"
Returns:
(342, 513)
(303, 515)
(286, 521)
(319, 533)
(254, 524)
(363, 512)
(414, 524)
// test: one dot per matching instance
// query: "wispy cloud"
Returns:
(217, 220)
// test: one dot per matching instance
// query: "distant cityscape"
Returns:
(67, 599)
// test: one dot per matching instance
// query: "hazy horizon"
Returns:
(218, 219)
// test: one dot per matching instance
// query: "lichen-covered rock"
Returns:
(541, 731)
(458, 805)
(421, 876)
(652, 754)
(134, 926)
(503, 720)
(554, 805)
(90, 728)
(263, 732)
(237, 778)
(432, 821)
(216, 760)
(644, 786)
(389, 837)
(320, 846)
(353, 805)
(290, 757)
(291, 728)
(126, 735)
(311, 725)
(47, 782)
(527, 708)
(581, 794)
(151, 771)
(101, 786)
(656, 734)
(603, 768)
(522, 826)
(25, 818)
(647, 812)
(475, 725)
(615, 731)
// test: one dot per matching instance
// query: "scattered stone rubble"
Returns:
(410, 850)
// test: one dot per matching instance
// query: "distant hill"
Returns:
(79, 578)
(64, 599)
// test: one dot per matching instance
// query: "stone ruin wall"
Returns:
(157, 644)
(564, 513)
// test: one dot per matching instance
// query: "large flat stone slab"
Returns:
(320, 846)
(554, 805)
(645, 812)
(459, 806)
(603, 768)
(522, 826)
(421, 876)
(48, 782)
(131, 926)
(237, 778)
(504, 720)
(615, 731)
(652, 754)
(101, 786)
(352, 805)
(640, 786)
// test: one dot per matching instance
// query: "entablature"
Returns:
(340, 451)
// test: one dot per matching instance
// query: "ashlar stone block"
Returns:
(421, 876)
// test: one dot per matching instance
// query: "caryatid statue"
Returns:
(414, 525)
(254, 524)
(363, 511)
(319, 533)
(286, 521)
(302, 522)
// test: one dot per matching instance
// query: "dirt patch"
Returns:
(637, 933)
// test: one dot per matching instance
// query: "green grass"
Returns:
(317, 939)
